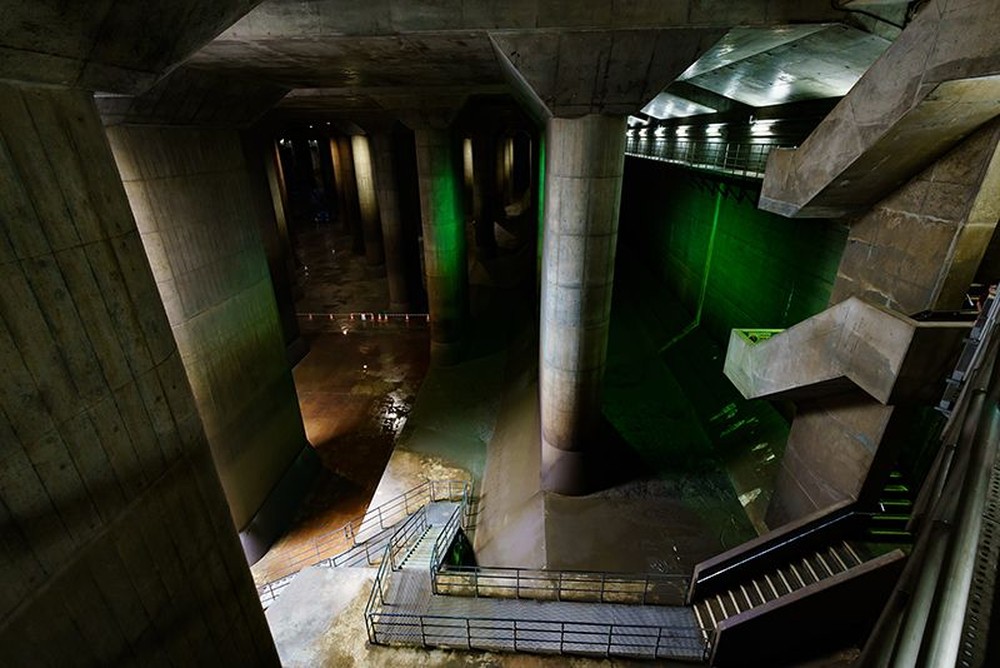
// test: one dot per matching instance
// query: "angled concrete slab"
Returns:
(854, 344)
(936, 84)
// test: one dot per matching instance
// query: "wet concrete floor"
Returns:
(356, 388)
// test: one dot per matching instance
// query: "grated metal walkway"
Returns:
(411, 614)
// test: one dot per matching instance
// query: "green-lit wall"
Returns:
(763, 270)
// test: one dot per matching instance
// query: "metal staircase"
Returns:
(770, 585)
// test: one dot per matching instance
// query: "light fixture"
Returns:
(714, 129)
(761, 128)
(682, 130)
(642, 132)
(660, 131)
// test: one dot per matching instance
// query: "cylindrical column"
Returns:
(485, 200)
(444, 241)
(367, 201)
(118, 545)
(582, 193)
(343, 216)
(392, 223)
(350, 185)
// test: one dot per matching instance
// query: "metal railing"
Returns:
(457, 520)
(641, 641)
(546, 585)
(563, 636)
(362, 540)
(732, 158)
(367, 316)
(415, 525)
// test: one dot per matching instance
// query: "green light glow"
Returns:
(444, 237)
(731, 264)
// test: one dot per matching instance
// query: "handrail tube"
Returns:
(625, 639)
(899, 642)
(571, 585)
(355, 532)
(793, 536)
(945, 632)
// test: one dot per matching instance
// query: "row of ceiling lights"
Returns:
(757, 128)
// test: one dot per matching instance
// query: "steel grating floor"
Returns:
(412, 615)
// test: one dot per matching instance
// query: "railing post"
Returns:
(611, 629)
(515, 635)
(559, 587)
(656, 650)
(423, 638)
(468, 634)
(562, 636)
(380, 524)
(517, 583)
(475, 581)
(603, 575)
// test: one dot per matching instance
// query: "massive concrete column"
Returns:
(582, 193)
(343, 214)
(367, 200)
(118, 545)
(192, 196)
(349, 184)
(486, 201)
(392, 223)
(444, 241)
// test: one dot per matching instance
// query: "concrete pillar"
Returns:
(349, 184)
(277, 243)
(582, 193)
(367, 200)
(118, 545)
(194, 202)
(392, 223)
(444, 241)
(343, 217)
(486, 202)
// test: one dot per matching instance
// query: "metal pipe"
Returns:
(898, 643)
(945, 633)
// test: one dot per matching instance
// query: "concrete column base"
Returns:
(565, 471)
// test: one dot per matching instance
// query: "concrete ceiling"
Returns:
(343, 58)
(764, 67)
(118, 46)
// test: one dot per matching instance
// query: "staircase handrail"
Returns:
(771, 547)
(450, 530)
(331, 545)
(561, 585)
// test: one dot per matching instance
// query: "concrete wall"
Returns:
(920, 247)
(191, 195)
(117, 548)
(763, 271)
